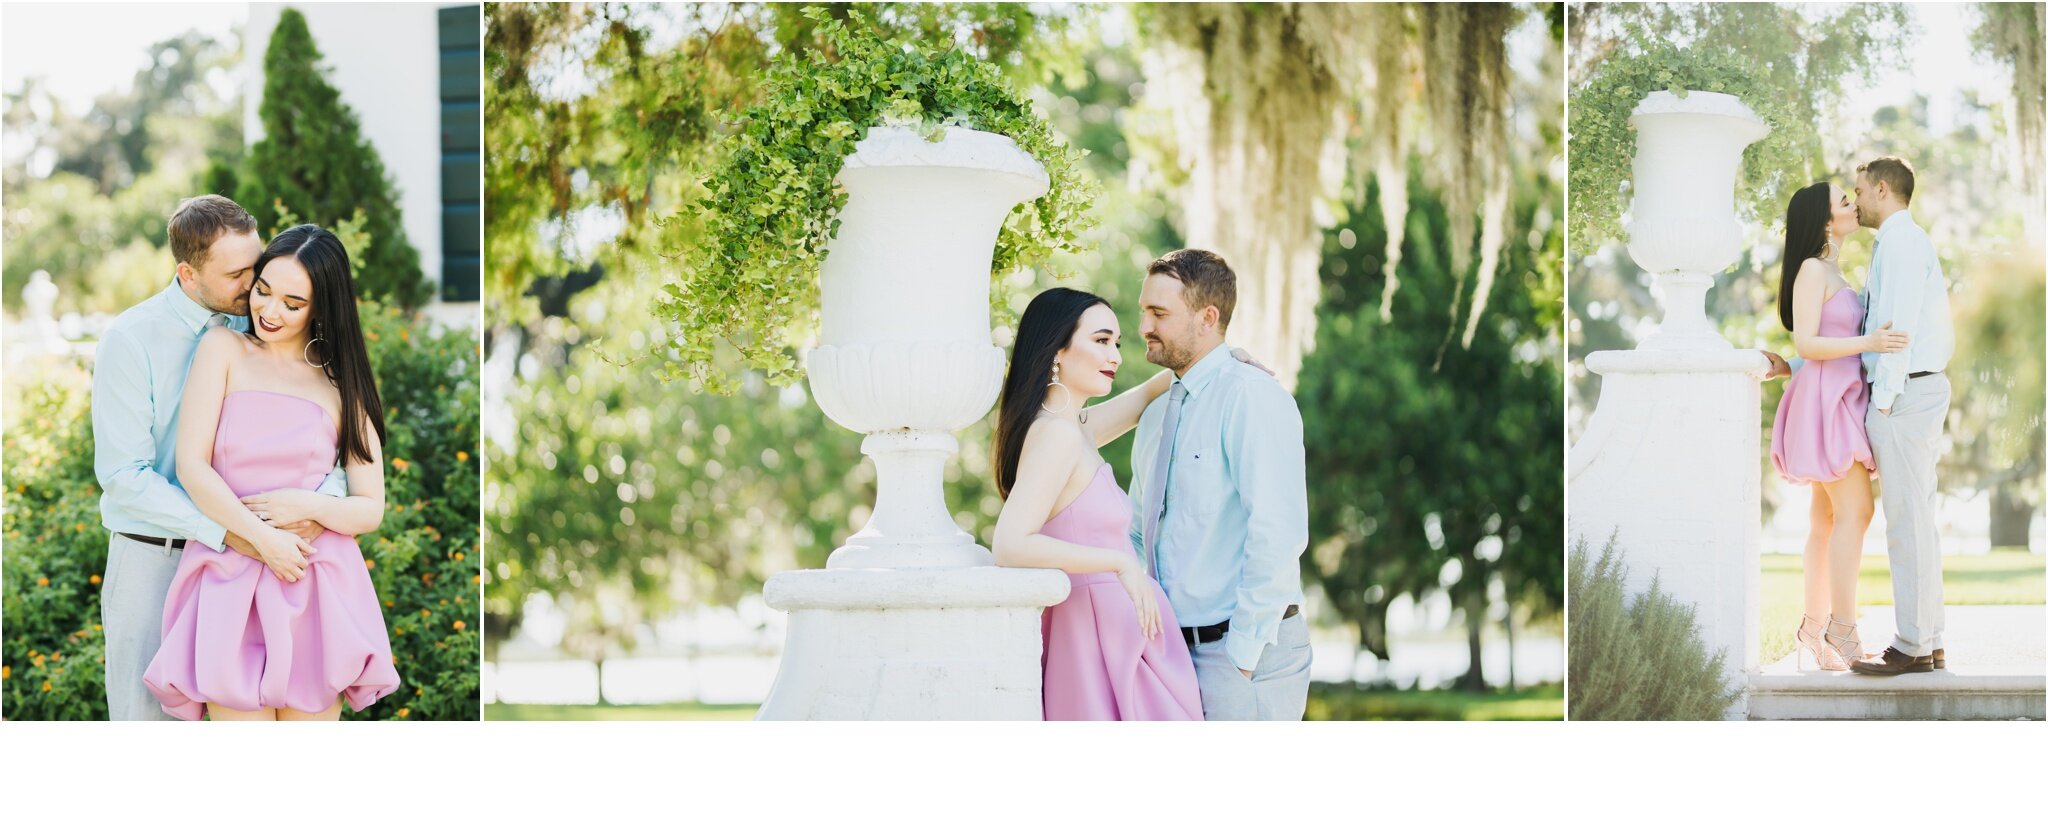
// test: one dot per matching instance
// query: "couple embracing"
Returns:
(238, 441)
(1186, 593)
(1868, 396)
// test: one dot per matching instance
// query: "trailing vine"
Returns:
(1603, 144)
(751, 276)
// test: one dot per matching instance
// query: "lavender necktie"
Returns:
(1155, 483)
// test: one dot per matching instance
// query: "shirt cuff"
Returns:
(214, 535)
(1882, 398)
(1243, 649)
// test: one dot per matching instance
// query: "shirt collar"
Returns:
(1900, 217)
(187, 310)
(1204, 370)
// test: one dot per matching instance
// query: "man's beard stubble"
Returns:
(1169, 355)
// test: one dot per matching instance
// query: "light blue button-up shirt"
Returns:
(1907, 290)
(138, 383)
(1236, 514)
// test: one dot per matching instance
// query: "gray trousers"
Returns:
(1277, 689)
(1907, 446)
(132, 594)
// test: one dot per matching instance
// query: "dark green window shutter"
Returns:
(461, 153)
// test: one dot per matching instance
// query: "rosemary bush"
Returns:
(751, 277)
(1637, 658)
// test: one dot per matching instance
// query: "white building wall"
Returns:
(385, 59)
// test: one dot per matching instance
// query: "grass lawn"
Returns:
(2004, 577)
(1329, 701)
(663, 711)
(1326, 702)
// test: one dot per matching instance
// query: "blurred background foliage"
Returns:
(613, 500)
(88, 192)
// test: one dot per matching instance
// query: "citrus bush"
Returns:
(1637, 658)
(423, 558)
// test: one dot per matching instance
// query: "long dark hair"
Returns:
(338, 332)
(1806, 226)
(1047, 326)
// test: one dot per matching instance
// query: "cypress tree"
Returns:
(314, 161)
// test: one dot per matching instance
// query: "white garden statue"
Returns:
(42, 333)
(1668, 466)
(910, 618)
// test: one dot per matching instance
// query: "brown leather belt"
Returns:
(1197, 635)
(166, 542)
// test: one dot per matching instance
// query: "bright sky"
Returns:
(1943, 63)
(83, 50)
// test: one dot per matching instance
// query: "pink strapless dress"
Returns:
(1819, 431)
(1098, 665)
(237, 636)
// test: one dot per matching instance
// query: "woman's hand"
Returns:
(1885, 341)
(287, 505)
(1139, 586)
(285, 553)
(1247, 358)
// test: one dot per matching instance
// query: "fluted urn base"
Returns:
(1686, 326)
(908, 398)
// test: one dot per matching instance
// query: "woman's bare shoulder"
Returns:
(221, 344)
(1050, 435)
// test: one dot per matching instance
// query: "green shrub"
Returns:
(1637, 658)
(314, 160)
(423, 558)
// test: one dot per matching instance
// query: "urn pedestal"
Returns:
(1669, 464)
(910, 619)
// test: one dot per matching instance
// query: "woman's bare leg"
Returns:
(1851, 499)
(215, 711)
(332, 712)
(1814, 570)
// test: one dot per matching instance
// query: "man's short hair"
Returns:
(1205, 280)
(199, 221)
(1894, 172)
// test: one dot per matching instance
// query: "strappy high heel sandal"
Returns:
(1808, 645)
(1845, 646)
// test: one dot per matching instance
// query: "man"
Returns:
(1222, 517)
(1909, 397)
(137, 384)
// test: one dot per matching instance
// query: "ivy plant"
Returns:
(1603, 144)
(750, 276)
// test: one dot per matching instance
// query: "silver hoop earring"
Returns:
(1055, 384)
(307, 355)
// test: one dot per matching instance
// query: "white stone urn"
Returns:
(910, 619)
(904, 351)
(1681, 224)
(1668, 467)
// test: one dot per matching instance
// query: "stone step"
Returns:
(1997, 670)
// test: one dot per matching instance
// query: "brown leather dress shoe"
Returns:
(1893, 662)
(1941, 658)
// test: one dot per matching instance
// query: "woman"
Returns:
(1112, 649)
(265, 416)
(1818, 437)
